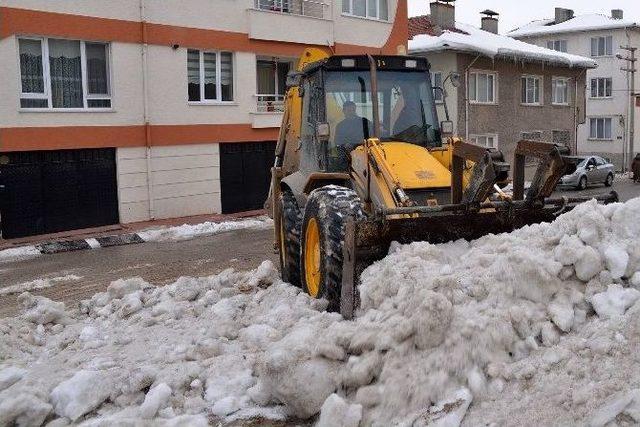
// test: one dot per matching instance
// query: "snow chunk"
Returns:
(121, 287)
(623, 403)
(41, 310)
(10, 376)
(617, 259)
(614, 301)
(449, 412)
(23, 410)
(155, 399)
(80, 394)
(336, 412)
(588, 264)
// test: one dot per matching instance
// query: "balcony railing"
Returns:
(316, 9)
(270, 103)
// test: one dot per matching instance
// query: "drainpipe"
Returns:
(575, 109)
(466, 101)
(145, 103)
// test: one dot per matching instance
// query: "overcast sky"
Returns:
(514, 13)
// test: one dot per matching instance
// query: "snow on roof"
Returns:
(578, 23)
(493, 45)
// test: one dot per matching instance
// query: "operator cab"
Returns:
(338, 113)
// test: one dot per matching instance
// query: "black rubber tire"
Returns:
(582, 184)
(609, 181)
(330, 206)
(290, 248)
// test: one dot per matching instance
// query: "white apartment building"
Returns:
(129, 110)
(608, 97)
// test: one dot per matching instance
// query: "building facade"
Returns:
(606, 129)
(507, 90)
(131, 110)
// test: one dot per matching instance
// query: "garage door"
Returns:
(245, 173)
(52, 191)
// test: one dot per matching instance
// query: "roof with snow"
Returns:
(579, 23)
(469, 39)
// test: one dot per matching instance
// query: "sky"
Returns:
(514, 13)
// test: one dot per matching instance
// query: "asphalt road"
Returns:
(162, 263)
(157, 263)
(625, 188)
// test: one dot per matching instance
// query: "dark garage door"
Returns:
(52, 191)
(245, 173)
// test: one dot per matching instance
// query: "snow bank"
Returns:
(512, 329)
(37, 284)
(187, 231)
(475, 40)
(18, 254)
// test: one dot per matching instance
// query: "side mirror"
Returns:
(323, 131)
(294, 79)
(446, 128)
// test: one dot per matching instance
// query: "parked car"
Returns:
(590, 170)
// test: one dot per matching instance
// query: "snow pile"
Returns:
(588, 22)
(37, 284)
(475, 40)
(537, 327)
(18, 254)
(188, 231)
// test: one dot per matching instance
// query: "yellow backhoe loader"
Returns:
(363, 161)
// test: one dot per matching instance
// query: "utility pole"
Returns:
(630, 69)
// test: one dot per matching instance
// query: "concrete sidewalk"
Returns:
(115, 235)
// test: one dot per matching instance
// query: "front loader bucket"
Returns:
(470, 215)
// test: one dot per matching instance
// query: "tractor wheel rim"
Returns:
(283, 248)
(312, 258)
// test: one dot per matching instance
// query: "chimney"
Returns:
(490, 21)
(563, 15)
(443, 14)
(617, 14)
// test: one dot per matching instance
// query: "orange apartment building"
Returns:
(132, 110)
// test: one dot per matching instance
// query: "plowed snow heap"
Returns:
(537, 327)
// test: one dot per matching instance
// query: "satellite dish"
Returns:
(455, 79)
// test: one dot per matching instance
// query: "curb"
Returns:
(89, 243)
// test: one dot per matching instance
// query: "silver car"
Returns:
(590, 170)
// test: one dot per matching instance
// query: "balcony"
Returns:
(315, 9)
(292, 21)
(270, 103)
(269, 109)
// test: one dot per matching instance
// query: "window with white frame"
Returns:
(436, 82)
(210, 76)
(600, 128)
(559, 45)
(486, 141)
(602, 87)
(482, 87)
(532, 90)
(602, 46)
(63, 74)
(375, 9)
(560, 90)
